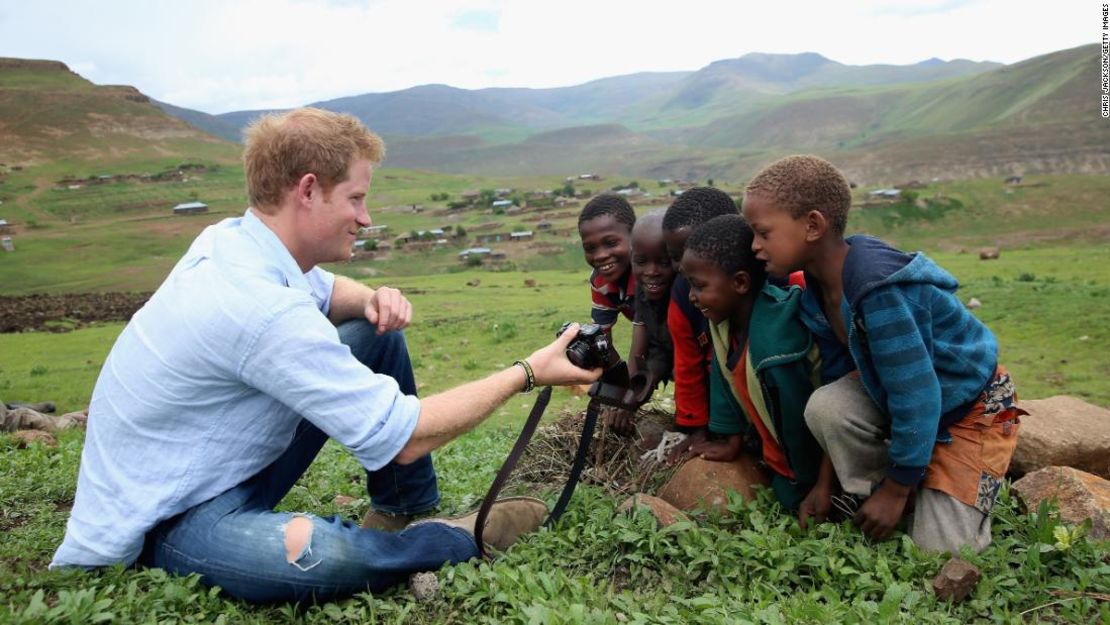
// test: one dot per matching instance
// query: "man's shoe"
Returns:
(508, 520)
(384, 521)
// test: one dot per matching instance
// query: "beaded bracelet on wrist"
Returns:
(530, 377)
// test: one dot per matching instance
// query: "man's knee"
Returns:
(361, 336)
(298, 543)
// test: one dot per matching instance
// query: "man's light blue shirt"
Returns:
(206, 385)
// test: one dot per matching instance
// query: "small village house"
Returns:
(885, 194)
(476, 252)
(190, 208)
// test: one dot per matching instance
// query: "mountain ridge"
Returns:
(724, 120)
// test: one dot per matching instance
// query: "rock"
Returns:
(974, 303)
(24, 438)
(699, 481)
(988, 253)
(665, 514)
(956, 580)
(27, 419)
(42, 406)
(81, 417)
(1063, 431)
(530, 282)
(474, 282)
(424, 586)
(344, 500)
(1078, 494)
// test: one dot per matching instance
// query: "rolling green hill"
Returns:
(882, 124)
(1038, 116)
(49, 114)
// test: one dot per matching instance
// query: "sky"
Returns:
(224, 55)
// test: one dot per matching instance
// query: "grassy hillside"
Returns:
(50, 115)
(1032, 117)
(751, 563)
(880, 123)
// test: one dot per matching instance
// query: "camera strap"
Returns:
(518, 450)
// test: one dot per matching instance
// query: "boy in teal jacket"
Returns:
(764, 363)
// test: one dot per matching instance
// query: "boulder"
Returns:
(81, 417)
(956, 580)
(988, 253)
(665, 514)
(974, 303)
(705, 484)
(1078, 494)
(1063, 431)
(24, 438)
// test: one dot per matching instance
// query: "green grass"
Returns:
(1045, 298)
(751, 564)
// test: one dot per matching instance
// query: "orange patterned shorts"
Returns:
(970, 466)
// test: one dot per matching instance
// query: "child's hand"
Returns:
(619, 420)
(816, 505)
(882, 510)
(818, 502)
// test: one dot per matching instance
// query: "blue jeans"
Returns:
(237, 541)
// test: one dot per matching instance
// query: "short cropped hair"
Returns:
(608, 204)
(696, 206)
(726, 241)
(282, 148)
(802, 183)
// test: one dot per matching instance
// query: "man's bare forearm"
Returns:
(348, 299)
(446, 415)
(451, 413)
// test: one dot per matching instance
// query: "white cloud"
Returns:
(218, 56)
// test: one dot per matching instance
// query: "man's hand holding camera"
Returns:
(552, 367)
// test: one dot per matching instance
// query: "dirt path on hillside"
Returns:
(62, 313)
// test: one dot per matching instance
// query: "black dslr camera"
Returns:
(592, 348)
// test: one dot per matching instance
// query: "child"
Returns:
(689, 331)
(652, 351)
(926, 373)
(764, 358)
(605, 227)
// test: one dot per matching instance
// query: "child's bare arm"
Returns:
(883, 509)
(818, 502)
(637, 354)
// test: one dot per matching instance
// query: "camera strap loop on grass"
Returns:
(579, 461)
(518, 450)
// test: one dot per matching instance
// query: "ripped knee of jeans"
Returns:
(298, 543)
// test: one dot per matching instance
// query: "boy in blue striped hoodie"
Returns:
(916, 411)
